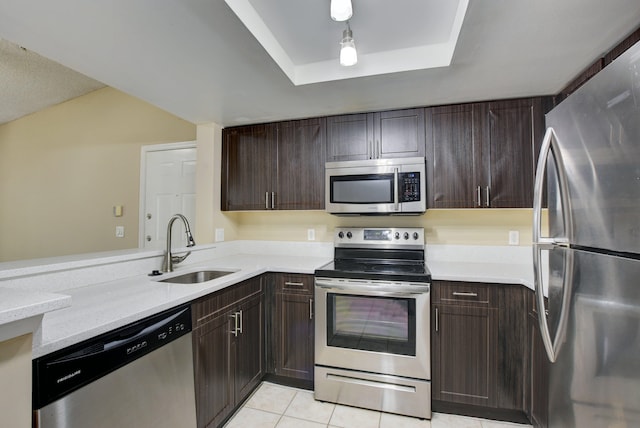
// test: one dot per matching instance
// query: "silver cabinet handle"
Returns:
(239, 314)
(379, 149)
(437, 319)
(273, 200)
(294, 284)
(478, 196)
(487, 195)
(396, 202)
(235, 324)
(266, 200)
(310, 309)
(465, 294)
(370, 150)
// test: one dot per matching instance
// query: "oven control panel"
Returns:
(379, 236)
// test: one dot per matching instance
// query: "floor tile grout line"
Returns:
(335, 406)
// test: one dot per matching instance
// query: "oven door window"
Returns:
(367, 323)
(362, 189)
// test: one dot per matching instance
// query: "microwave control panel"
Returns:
(409, 186)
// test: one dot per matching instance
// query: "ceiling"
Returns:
(30, 82)
(304, 41)
(198, 60)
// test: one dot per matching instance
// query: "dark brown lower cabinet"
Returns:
(479, 349)
(539, 372)
(228, 339)
(464, 344)
(512, 381)
(292, 332)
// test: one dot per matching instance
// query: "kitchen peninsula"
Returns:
(96, 295)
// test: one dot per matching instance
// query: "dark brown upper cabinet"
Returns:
(247, 167)
(483, 155)
(453, 157)
(276, 166)
(387, 134)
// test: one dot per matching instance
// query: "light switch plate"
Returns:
(514, 237)
(219, 235)
(311, 234)
(119, 231)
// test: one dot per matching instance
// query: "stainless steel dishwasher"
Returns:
(140, 375)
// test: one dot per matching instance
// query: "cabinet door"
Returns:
(399, 133)
(539, 405)
(248, 167)
(509, 151)
(300, 165)
(512, 355)
(349, 137)
(453, 158)
(295, 336)
(214, 395)
(464, 343)
(248, 347)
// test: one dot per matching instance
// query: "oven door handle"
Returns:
(377, 290)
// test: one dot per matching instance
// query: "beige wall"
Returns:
(15, 378)
(460, 227)
(63, 169)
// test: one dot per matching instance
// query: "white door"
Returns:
(168, 187)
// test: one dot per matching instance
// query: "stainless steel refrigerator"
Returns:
(587, 258)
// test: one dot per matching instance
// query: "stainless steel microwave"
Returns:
(377, 186)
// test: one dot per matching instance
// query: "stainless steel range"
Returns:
(372, 346)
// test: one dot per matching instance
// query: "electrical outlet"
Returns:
(119, 231)
(311, 234)
(219, 235)
(514, 237)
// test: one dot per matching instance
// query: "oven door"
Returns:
(374, 326)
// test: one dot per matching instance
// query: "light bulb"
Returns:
(341, 10)
(348, 54)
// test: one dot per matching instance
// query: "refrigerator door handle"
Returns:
(550, 146)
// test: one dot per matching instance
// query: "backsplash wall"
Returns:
(453, 227)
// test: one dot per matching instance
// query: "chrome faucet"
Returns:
(169, 259)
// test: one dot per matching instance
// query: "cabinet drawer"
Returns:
(206, 308)
(463, 293)
(291, 283)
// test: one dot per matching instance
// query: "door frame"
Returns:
(144, 150)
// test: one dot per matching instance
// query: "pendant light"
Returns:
(348, 54)
(341, 10)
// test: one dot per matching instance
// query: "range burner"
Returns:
(391, 254)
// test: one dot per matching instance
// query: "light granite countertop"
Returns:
(99, 308)
(80, 302)
(19, 307)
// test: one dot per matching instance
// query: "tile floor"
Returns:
(276, 406)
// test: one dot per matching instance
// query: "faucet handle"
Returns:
(178, 259)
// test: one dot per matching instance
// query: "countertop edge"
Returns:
(18, 307)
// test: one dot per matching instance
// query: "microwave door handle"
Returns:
(396, 203)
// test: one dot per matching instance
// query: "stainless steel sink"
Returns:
(197, 277)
